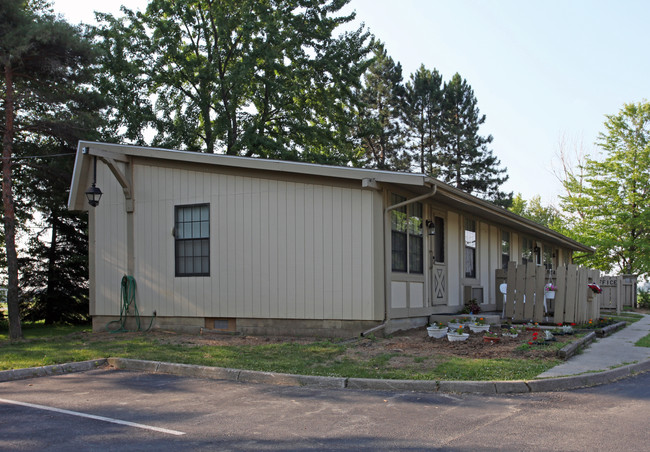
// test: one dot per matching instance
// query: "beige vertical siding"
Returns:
(279, 249)
(484, 274)
(455, 247)
(110, 243)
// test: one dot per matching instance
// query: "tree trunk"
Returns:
(15, 331)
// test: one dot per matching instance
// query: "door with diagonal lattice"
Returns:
(437, 262)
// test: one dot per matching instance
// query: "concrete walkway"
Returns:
(613, 351)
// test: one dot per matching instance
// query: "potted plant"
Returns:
(490, 337)
(479, 326)
(454, 324)
(457, 335)
(471, 307)
(548, 336)
(437, 330)
(510, 332)
(530, 326)
(595, 288)
(549, 291)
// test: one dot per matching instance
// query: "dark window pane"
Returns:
(398, 240)
(415, 254)
(470, 262)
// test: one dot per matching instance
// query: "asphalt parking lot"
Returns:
(139, 411)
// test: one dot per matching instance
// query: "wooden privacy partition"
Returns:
(526, 299)
(618, 292)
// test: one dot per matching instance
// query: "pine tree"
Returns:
(379, 128)
(422, 110)
(46, 65)
(465, 160)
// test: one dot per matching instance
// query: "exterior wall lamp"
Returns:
(93, 193)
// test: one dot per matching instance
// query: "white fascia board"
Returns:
(77, 192)
(312, 169)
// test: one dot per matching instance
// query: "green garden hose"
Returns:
(128, 304)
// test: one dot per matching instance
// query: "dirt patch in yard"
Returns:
(416, 343)
(409, 344)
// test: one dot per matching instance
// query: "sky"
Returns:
(545, 73)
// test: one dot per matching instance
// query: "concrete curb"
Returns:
(56, 369)
(272, 378)
(458, 387)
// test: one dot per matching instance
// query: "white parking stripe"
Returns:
(92, 416)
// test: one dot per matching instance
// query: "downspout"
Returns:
(387, 261)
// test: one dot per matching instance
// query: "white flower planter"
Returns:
(510, 335)
(479, 328)
(436, 332)
(454, 337)
(454, 326)
(550, 295)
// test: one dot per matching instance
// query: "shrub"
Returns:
(643, 298)
(471, 307)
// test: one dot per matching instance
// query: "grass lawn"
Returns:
(643, 342)
(58, 344)
(629, 317)
(39, 329)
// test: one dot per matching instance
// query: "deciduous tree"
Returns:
(243, 77)
(608, 200)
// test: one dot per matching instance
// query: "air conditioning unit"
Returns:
(473, 293)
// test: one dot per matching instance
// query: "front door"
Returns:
(437, 263)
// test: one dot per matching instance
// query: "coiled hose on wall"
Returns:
(127, 304)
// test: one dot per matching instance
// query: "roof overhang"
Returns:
(417, 183)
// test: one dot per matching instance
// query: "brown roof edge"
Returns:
(452, 193)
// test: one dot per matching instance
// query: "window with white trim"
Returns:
(192, 240)
(407, 244)
(526, 250)
(505, 249)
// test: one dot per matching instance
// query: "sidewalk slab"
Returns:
(607, 353)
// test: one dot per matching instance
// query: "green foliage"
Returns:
(608, 200)
(643, 298)
(547, 216)
(243, 77)
(464, 160)
(422, 115)
(48, 103)
(379, 127)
